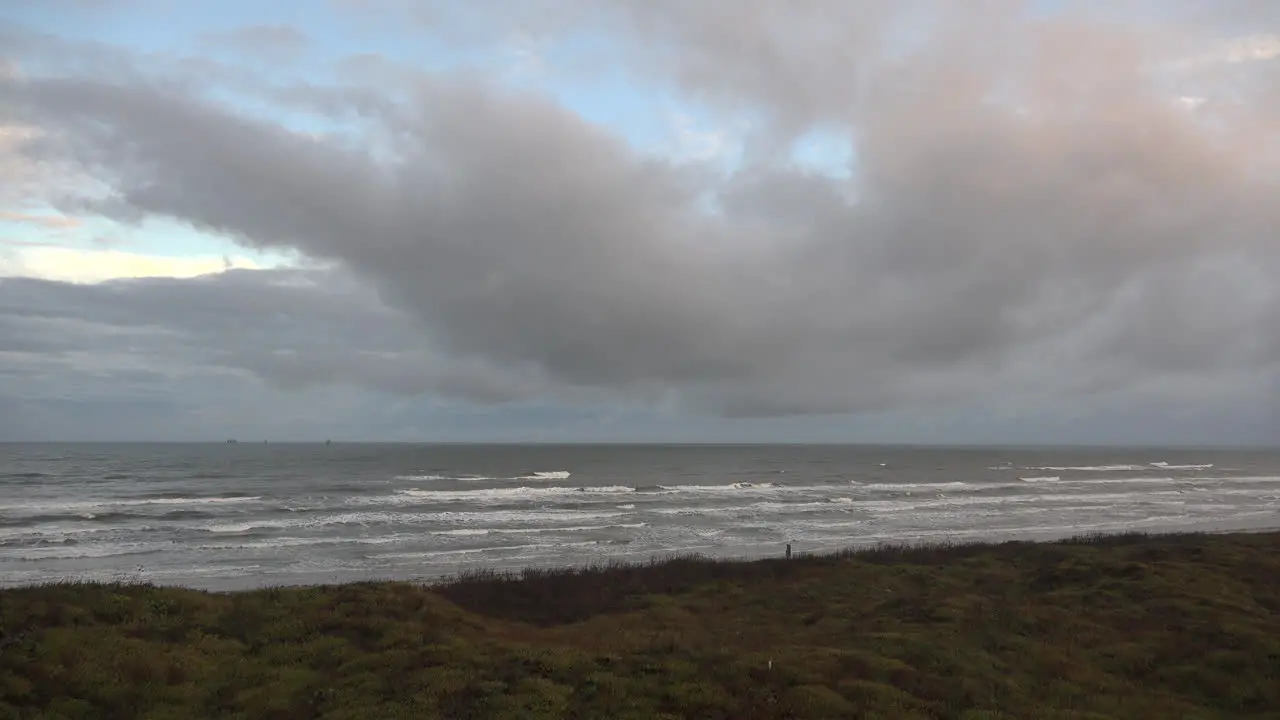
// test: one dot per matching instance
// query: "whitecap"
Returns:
(910, 487)
(1088, 468)
(88, 509)
(723, 488)
(1166, 466)
(509, 494)
(548, 475)
(470, 532)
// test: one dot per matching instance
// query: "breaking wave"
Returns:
(90, 509)
(1089, 468)
(911, 487)
(465, 477)
(475, 532)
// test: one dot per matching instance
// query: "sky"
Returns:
(990, 222)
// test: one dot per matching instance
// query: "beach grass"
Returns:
(1127, 626)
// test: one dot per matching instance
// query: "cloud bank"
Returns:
(1031, 218)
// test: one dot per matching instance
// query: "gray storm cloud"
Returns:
(1030, 213)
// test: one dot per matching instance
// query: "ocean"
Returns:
(232, 516)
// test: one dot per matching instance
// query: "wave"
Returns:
(91, 509)
(539, 475)
(1059, 501)
(85, 551)
(16, 537)
(909, 487)
(500, 494)
(825, 505)
(1239, 479)
(277, 542)
(1025, 503)
(439, 555)
(436, 554)
(24, 475)
(31, 521)
(765, 508)
(515, 494)
(1088, 468)
(477, 532)
(1166, 466)
(462, 532)
(368, 519)
(723, 488)
(1107, 481)
(183, 500)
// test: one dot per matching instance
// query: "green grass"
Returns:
(1179, 626)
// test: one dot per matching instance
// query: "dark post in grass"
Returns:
(788, 551)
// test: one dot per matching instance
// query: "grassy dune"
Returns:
(1184, 626)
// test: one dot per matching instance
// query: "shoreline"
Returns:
(251, 582)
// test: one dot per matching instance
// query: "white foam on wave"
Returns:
(190, 501)
(289, 541)
(81, 551)
(514, 516)
(727, 488)
(86, 508)
(369, 519)
(1248, 479)
(826, 505)
(1166, 466)
(541, 475)
(1042, 479)
(62, 532)
(442, 555)
(473, 532)
(507, 494)
(256, 525)
(1108, 481)
(1088, 468)
(1059, 501)
(768, 507)
(557, 492)
(911, 487)
(549, 475)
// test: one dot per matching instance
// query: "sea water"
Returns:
(225, 516)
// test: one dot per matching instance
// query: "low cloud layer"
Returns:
(1032, 218)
